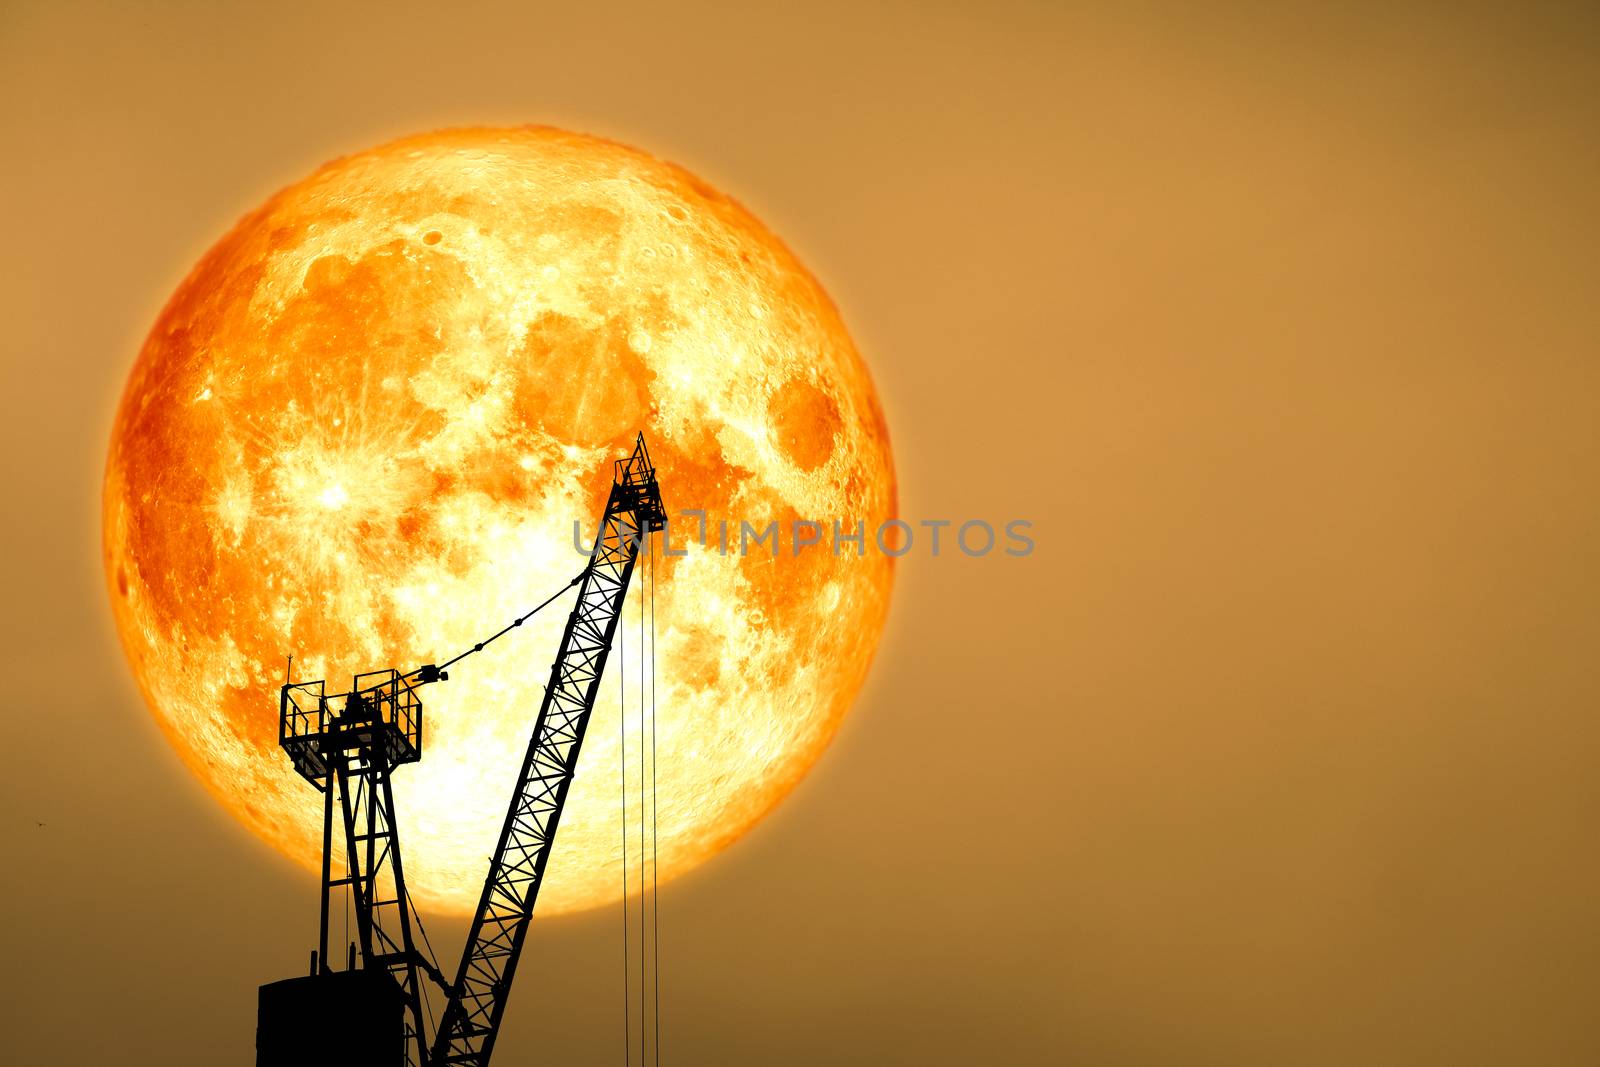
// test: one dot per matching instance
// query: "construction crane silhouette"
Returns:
(348, 746)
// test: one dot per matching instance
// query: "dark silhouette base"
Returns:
(343, 1018)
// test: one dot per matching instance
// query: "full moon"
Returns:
(362, 429)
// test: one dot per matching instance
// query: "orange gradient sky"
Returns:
(1278, 321)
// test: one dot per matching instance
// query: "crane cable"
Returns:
(655, 891)
(644, 946)
(622, 763)
(432, 958)
(518, 621)
(649, 920)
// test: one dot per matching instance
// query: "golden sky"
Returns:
(1279, 323)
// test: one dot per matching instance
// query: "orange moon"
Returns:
(360, 433)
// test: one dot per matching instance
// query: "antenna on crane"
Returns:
(348, 745)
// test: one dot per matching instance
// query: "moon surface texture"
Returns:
(362, 429)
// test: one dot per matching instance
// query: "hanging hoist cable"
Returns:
(644, 946)
(655, 885)
(649, 907)
(622, 762)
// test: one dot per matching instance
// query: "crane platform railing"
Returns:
(382, 710)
